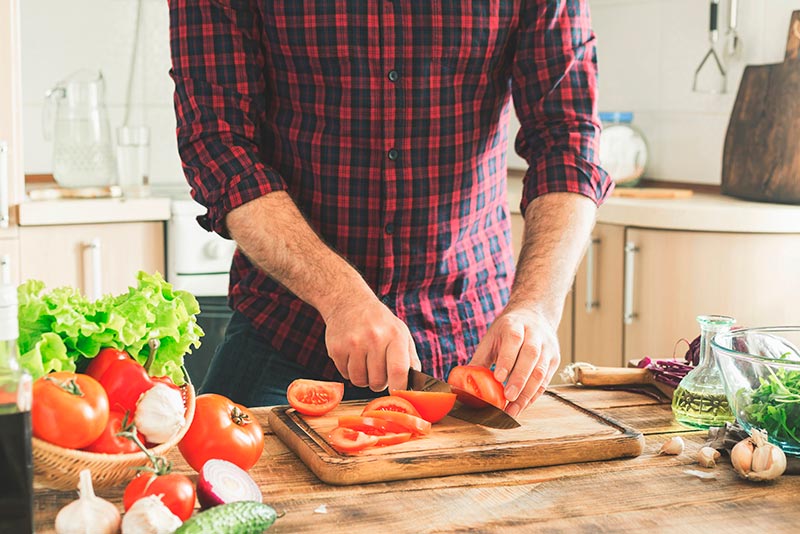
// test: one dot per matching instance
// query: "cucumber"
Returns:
(242, 517)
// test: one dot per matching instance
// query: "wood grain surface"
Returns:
(554, 431)
(761, 160)
(648, 493)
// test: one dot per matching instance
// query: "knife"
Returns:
(483, 414)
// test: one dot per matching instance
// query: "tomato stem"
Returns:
(239, 417)
(70, 386)
(153, 343)
(161, 466)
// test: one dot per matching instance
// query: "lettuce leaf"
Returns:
(61, 329)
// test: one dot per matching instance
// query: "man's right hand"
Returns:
(370, 345)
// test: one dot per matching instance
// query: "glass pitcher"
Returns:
(76, 120)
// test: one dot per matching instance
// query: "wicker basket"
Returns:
(59, 468)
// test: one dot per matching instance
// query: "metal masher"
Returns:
(713, 36)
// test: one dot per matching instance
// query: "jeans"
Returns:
(247, 370)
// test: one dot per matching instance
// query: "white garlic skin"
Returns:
(673, 446)
(89, 514)
(708, 456)
(756, 459)
(159, 413)
(149, 515)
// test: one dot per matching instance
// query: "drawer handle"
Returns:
(591, 303)
(95, 257)
(630, 257)
(5, 269)
(3, 184)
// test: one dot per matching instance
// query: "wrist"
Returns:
(350, 289)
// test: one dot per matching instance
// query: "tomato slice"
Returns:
(391, 404)
(431, 405)
(369, 425)
(392, 438)
(416, 425)
(348, 440)
(478, 381)
(314, 397)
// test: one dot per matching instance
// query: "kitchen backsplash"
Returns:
(648, 50)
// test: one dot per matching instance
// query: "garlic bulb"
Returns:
(89, 514)
(756, 459)
(672, 446)
(708, 456)
(149, 515)
(159, 413)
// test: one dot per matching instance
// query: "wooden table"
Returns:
(650, 493)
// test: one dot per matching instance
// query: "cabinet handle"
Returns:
(590, 301)
(3, 184)
(5, 269)
(95, 256)
(630, 257)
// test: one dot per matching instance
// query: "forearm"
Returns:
(273, 234)
(557, 229)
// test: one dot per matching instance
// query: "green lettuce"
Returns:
(61, 329)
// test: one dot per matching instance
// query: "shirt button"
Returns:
(389, 228)
(393, 154)
(394, 75)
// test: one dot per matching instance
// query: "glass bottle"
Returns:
(16, 458)
(699, 400)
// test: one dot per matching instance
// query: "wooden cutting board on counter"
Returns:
(554, 431)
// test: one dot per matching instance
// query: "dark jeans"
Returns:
(247, 370)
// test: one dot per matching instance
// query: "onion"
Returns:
(222, 482)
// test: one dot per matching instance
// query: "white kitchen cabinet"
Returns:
(97, 258)
(11, 175)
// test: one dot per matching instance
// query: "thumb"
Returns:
(483, 354)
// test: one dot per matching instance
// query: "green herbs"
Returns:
(60, 329)
(775, 406)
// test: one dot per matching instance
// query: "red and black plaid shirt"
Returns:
(387, 123)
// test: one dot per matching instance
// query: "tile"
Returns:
(775, 28)
(156, 52)
(165, 163)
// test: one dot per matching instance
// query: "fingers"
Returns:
(412, 352)
(357, 370)
(398, 361)
(543, 372)
(509, 345)
(524, 369)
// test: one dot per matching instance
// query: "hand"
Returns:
(524, 348)
(370, 345)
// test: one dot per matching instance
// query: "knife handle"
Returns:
(612, 376)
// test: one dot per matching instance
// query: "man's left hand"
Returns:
(524, 348)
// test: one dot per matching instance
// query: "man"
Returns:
(355, 150)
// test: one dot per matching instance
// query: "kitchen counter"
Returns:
(93, 210)
(649, 493)
(701, 212)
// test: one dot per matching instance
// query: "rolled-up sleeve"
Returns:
(218, 70)
(554, 88)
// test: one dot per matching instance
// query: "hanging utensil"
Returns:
(719, 75)
(733, 46)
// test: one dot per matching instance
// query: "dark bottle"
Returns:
(16, 461)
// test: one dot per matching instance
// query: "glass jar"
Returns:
(699, 400)
(623, 149)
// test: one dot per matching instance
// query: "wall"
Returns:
(648, 51)
(61, 37)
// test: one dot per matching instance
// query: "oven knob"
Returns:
(214, 250)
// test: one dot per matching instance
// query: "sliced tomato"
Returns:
(392, 438)
(431, 405)
(416, 425)
(391, 404)
(478, 381)
(348, 440)
(314, 397)
(369, 425)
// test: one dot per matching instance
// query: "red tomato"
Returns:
(412, 423)
(314, 397)
(125, 381)
(478, 381)
(177, 492)
(103, 360)
(69, 410)
(392, 438)
(109, 442)
(371, 425)
(391, 404)
(431, 405)
(349, 440)
(224, 430)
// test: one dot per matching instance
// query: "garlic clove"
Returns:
(673, 446)
(769, 462)
(742, 457)
(89, 514)
(708, 456)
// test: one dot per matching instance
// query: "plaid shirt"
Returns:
(387, 123)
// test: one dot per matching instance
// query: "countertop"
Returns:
(702, 212)
(650, 493)
(92, 210)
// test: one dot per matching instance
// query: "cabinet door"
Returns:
(97, 258)
(598, 299)
(565, 327)
(9, 260)
(678, 275)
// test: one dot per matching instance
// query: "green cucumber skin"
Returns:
(245, 517)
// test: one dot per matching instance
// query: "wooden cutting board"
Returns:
(761, 160)
(554, 431)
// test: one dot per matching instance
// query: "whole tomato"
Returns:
(223, 430)
(176, 490)
(69, 409)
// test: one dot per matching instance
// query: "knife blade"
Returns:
(484, 414)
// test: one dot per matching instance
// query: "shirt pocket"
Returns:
(471, 37)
